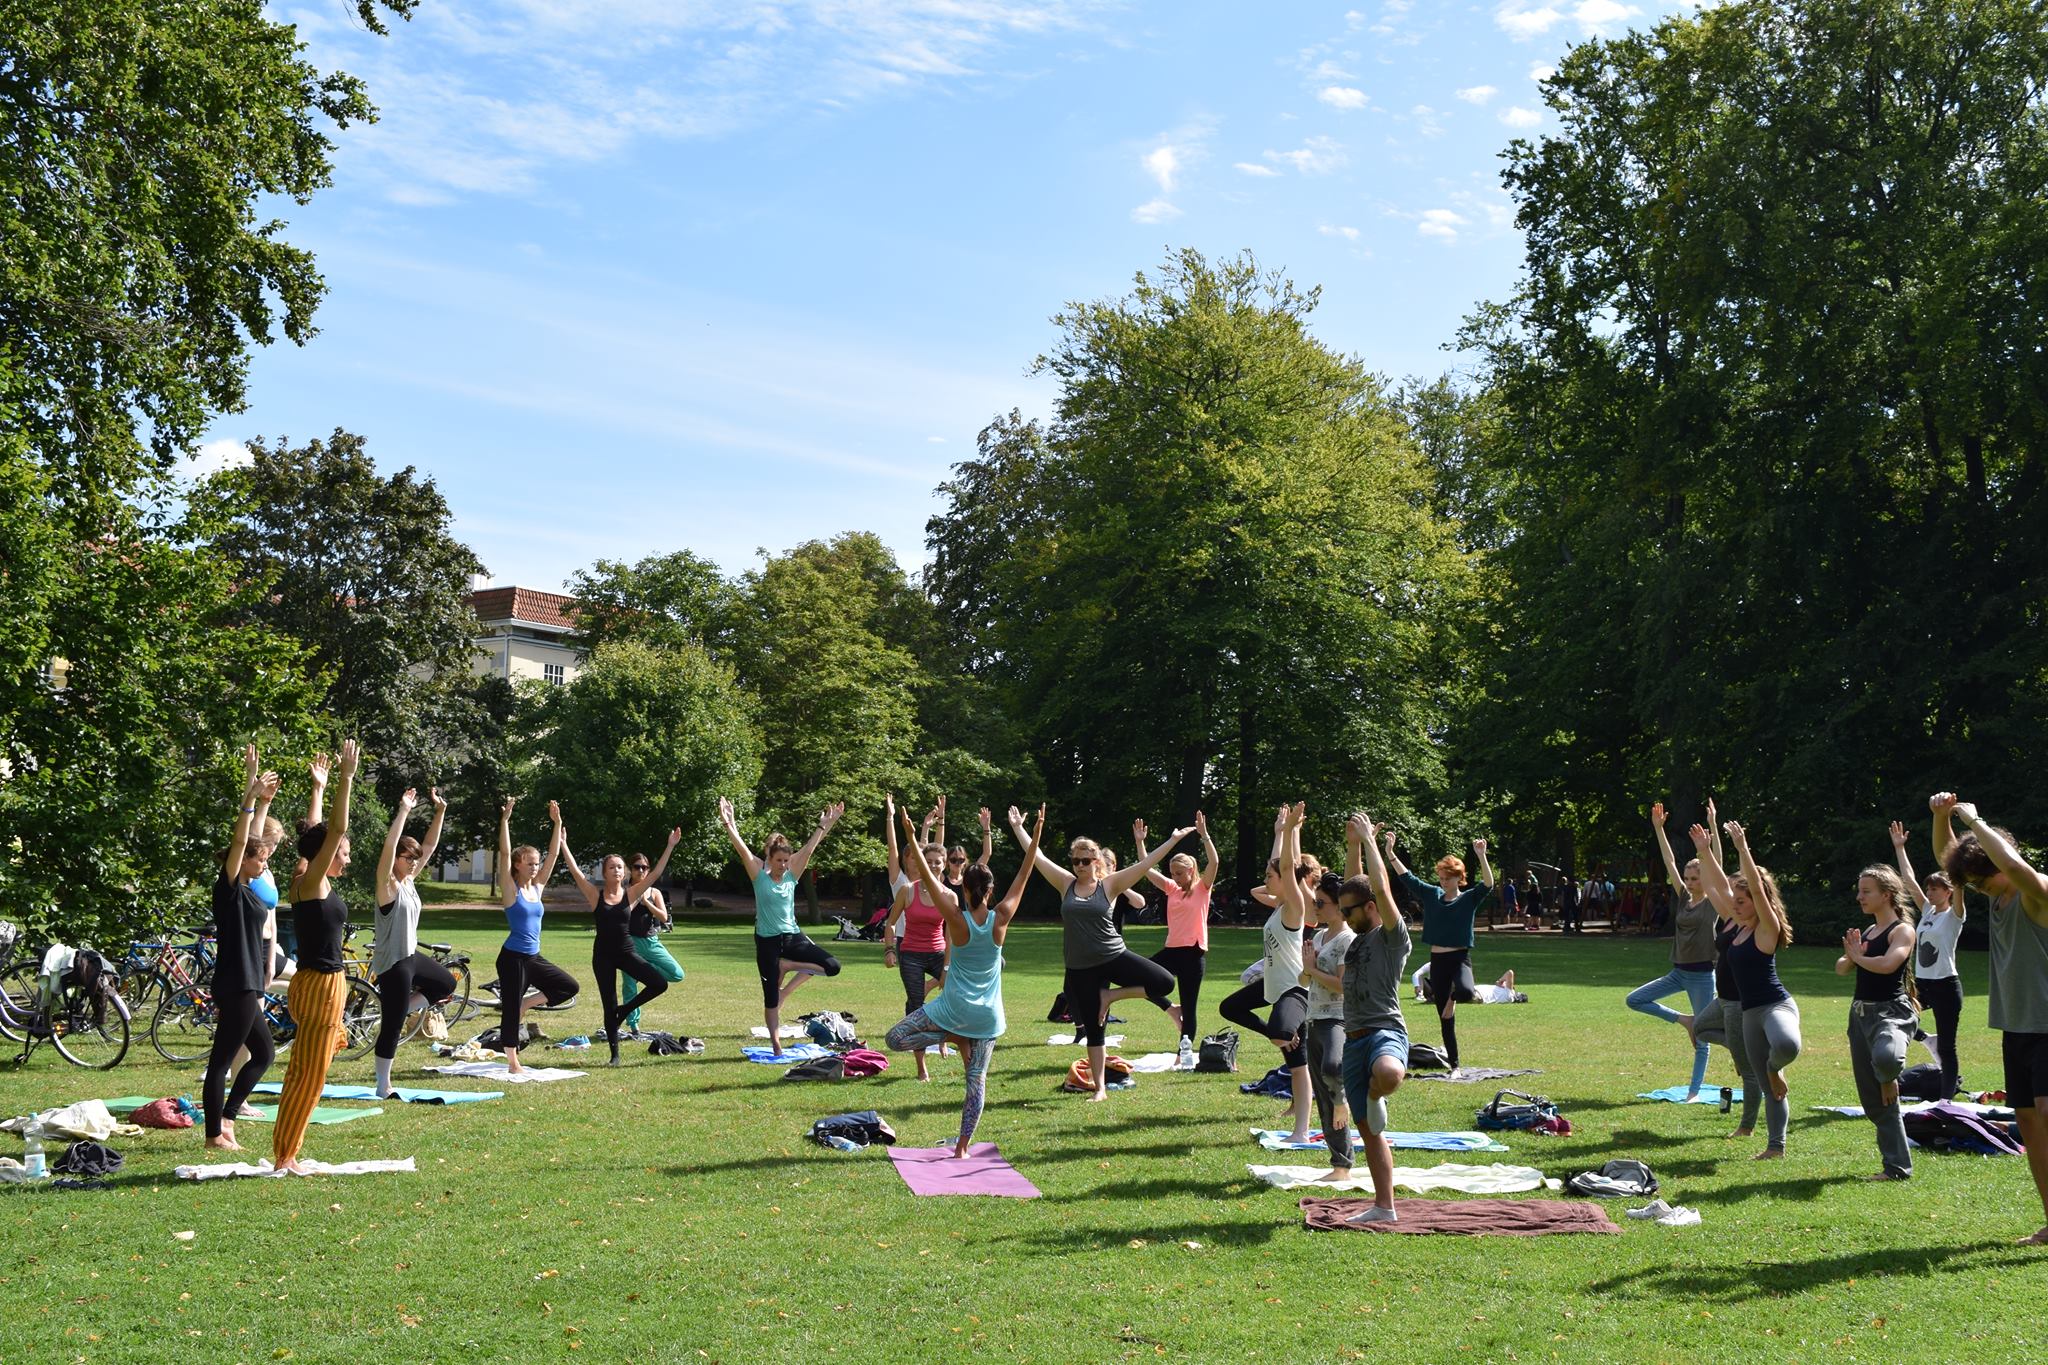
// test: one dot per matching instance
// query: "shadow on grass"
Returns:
(1113, 1236)
(1800, 1187)
(1740, 1283)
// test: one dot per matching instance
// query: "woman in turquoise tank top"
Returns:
(968, 1012)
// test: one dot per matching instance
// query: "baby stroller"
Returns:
(865, 933)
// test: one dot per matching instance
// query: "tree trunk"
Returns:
(1250, 867)
(811, 894)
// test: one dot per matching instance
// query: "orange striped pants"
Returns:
(315, 1000)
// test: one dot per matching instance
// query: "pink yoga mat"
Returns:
(933, 1170)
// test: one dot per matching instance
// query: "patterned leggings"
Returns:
(916, 1031)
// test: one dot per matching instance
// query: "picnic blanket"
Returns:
(1468, 1075)
(263, 1169)
(802, 1052)
(1997, 1113)
(1494, 1179)
(1068, 1039)
(1708, 1094)
(1278, 1140)
(496, 1071)
(409, 1095)
(935, 1170)
(1465, 1217)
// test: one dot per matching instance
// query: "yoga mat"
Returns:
(496, 1071)
(128, 1104)
(1465, 1217)
(1467, 1075)
(802, 1052)
(935, 1170)
(263, 1169)
(1276, 1140)
(1494, 1179)
(322, 1114)
(369, 1092)
(1675, 1094)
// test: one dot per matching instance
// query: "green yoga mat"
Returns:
(265, 1113)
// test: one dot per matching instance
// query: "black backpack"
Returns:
(1427, 1057)
(1219, 1052)
(863, 1129)
(831, 1068)
(1922, 1082)
(1527, 1112)
(1622, 1178)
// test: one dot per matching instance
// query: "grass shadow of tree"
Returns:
(1734, 1283)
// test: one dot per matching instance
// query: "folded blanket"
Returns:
(1675, 1094)
(782, 1031)
(1467, 1075)
(1494, 1179)
(496, 1071)
(1276, 1140)
(225, 1169)
(802, 1052)
(1469, 1217)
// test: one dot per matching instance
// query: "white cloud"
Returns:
(1603, 16)
(1440, 223)
(1492, 205)
(1317, 155)
(1162, 164)
(214, 456)
(1154, 211)
(935, 440)
(1349, 234)
(1522, 23)
(1427, 121)
(1254, 168)
(1342, 97)
(1477, 94)
(1516, 116)
(1541, 71)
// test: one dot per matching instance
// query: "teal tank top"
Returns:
(971, 1005)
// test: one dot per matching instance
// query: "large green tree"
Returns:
(1214, 578)
(1772, 405)
(667, 600)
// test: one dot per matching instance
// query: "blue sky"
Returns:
(627, 276)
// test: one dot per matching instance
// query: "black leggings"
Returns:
(606, 963)
(519, 973)
(1085, 987)
(395, 987)
(1282, 1021)
(1186, 966)
(772, 950)
(914, 967)
(238, 1023)
(1450, 978)
(1944, 995)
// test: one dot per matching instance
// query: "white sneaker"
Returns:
(1376, 1114)
(1186, 1060)
(1375, 1214)
(1681, 1218)
(1655, 1209)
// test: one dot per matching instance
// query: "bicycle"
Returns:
(183, 1026)
(454, 1009)
(152, 970)
(84, 1018)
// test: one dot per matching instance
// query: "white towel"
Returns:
(1156, 1061)
(783, 1031)
(1068, 1040)
(85, 1120)
(263, 1169)
(496, 1071)
(1494, 1179)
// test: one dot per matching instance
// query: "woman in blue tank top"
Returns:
(968, 1012)
(524, 976)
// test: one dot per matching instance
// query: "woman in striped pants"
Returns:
(320, 986)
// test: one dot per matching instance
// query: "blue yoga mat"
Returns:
(791, 1054)
(1675, 1094)
(1275, 1140)
(410, 1096)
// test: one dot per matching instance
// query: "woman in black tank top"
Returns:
(612, 951)
(1882, 1013)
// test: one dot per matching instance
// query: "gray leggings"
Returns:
(1878, 1033)
(916, 1031)
(1721, 1022)
(1770, 1037)
(1324, 1039)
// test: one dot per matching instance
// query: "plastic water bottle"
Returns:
(34, 1164)
(1727, 1099)
(843, 1144)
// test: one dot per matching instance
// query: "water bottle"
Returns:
(1727, 1098)
(34, 1164)
(843, 1144)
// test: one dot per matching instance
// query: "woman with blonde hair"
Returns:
(1881, 1013)
(524, 976)
(1770, 1016)
(1937, 986)
(784, 956)
(1187, 926)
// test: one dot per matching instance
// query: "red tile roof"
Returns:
(524, 604)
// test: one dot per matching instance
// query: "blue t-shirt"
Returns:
(1445, 923)
(774, 905)
(523, 916)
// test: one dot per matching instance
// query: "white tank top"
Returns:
(1283, 957)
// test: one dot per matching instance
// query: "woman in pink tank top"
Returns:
(1187, 927)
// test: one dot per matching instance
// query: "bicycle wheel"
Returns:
(89, 1029)
(23, 989)
(182, 1025)
(144, 988)
(454, 1009)
(361, 1014)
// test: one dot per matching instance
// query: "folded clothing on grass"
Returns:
(1277, 1140)
(1494, 1179)
(1462, 1217)
(224, 1170)
(1467, 1075)
(799, 1052)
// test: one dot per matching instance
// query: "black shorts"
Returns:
(2026, 1068)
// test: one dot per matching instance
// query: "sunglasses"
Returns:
(1078, 861)
(956, 861)
(639, 867)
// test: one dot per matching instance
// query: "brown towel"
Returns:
(1470, 1217)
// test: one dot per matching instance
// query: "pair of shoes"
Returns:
(1656, 1208)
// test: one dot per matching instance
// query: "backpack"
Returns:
(1922, 1082)
(1427, 1057)
(1499, 1117)
(1059, 1013)
(860, 1129)
(1622, 1178)
(1219, 1052)
(822, 1069)
(1945, 1127)
(492, 1037)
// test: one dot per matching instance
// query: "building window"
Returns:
(553, 674)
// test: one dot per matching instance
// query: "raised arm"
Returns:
(730, 824)
(432, 842)
(940, 836)
(1006, 909)
(316, 801)
(1293, 903)
(584, 884)
(1943, 804)
(389, 853)
(1376, 872)
(895, 863)
(1713, 877)
(1060, 877)
(1394, 863)
(322, 862)
(1898, 832)
(988, 837)
(1770, 920)
(1124, 878)
(505, 847)
(2031, 885)
(827, 818)
(1485, 868)
(1677, 878)
(639, 888)
(245, 815)
(1155, 876)
(1714, 832)
(1211, 862)
(936, 890)
(1356, 831)
(547, 869)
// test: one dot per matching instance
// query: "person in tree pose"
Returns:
(1130, 900)
(1187, 927)
(1449, 909)
(1692, 955)
(1940, 989)
(1986, 859)
(247, 930)
(1375, 1034)
(525, 978)
(407, 979)
(784, 956)
(1322, 972)
(1770, 1016)
(649, 917)
(320, 986)
(1881, 1014)
(1100, 969)
(1280, 985)
(969, 1012)
(918, 950)
(611, 951)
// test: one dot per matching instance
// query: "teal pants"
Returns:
(656, 957)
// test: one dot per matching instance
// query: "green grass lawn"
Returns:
(672, 1210)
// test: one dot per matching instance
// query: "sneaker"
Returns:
(1376, 1114)
(1680, 1218)
(1375, 1214)
(1655, 1209)
(1186, 1060)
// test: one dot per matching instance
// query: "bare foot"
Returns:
(294, 1167)
(1685, 1022)
(1300, 1137)
(2039, 1239)
(224, 1143)
(959, 1151)
(1098, 1095)
(1775, 1080)
(1770, 1154)
(922, 1074)
(1334, 1173)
